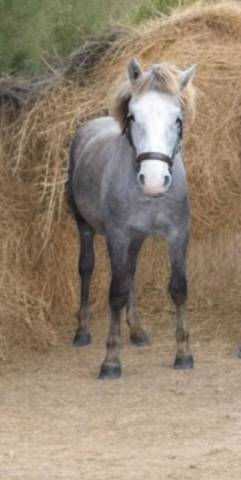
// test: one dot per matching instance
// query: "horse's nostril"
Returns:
(166, 180)
(142, 179)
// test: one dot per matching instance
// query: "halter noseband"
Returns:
(155, 156)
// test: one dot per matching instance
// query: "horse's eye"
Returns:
(131, 117)
(179, 124)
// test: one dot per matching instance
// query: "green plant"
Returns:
(36, 29)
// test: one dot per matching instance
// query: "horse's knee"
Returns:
(119, 294)
(178, 288)
(118, 300)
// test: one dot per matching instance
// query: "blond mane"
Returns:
(161, 78)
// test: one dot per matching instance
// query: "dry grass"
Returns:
(39, 244)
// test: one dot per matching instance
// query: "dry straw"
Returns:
(39, 243)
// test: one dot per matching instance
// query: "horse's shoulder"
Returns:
(99, 131)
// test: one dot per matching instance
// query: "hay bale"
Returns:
(92, 53)
(39, 242)
(17, 93)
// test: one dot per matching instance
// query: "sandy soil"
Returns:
(58, 421)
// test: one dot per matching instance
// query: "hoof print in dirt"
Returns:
(183, 362)
(82, 340)
(139, 339)
(109, 372)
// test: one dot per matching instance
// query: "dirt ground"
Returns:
(57, 421)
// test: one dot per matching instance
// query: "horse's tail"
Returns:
(70, 194)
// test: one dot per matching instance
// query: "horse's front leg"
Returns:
(118, 298)
(178, 291)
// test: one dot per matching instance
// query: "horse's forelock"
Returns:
(162, 78)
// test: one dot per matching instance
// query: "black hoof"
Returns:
(140, 339)
(239, 353)
(183, 362)
(81, 340)
(109, 372)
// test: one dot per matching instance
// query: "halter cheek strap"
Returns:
(127, 132)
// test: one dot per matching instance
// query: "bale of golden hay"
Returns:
(39, 242)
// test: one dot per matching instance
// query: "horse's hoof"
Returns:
(139, 339)
(239, 353)
(107, 371)
(81, 340)
(183, 362)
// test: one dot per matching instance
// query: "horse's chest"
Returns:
(150, 223)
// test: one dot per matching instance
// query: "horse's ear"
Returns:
(186, 76)
(134, 69)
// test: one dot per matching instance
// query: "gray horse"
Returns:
(127, 181)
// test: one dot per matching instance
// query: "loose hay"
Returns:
(39, 242)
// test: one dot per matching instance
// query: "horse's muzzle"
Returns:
(154, 173)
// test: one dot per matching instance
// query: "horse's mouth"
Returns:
(159, 195)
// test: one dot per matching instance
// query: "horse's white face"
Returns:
(156, 125)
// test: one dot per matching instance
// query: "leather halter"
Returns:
(155, 156)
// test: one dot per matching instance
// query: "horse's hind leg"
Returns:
(178, 291)
(86, 266)
(137, 335)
